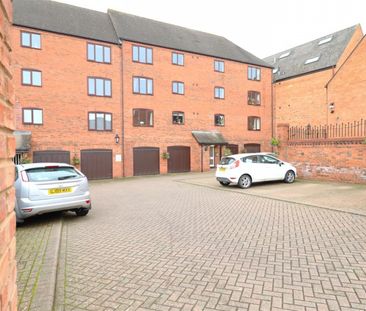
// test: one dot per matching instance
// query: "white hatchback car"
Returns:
(247, 168)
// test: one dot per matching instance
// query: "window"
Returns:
(99, 87)
(268, 159)
(219, 120)
(99, 121)
(142, 86)
(142, 54)
(254, 123)
(178, 87)
(250, 159)
(32, 116)
(254, 73)
(31, 40)
(31, 77)
(99, 53)
(143, 117)
(178, 117)
(254, 98)
(219, 66)
(325, 40)
(284, 55)
(219, 92)
(312, 60)
(178, 59)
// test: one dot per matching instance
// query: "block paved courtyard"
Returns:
(157, 243)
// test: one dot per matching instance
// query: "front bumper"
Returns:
(27, 208)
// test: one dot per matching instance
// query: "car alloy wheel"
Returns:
(245, 181)
(290, 177)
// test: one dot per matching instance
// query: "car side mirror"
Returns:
(280, 163)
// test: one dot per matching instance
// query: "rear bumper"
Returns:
(27, 208)
(223, 179)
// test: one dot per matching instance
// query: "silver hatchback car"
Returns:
(47, 187)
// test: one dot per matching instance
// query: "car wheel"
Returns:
(245, 181)
(290, 177)
(82, 211)
(223, 183)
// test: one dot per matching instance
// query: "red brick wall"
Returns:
(303, 100)
(347, 90)
(63, 95)
(8, 293)
(198, 104)
(333, 159)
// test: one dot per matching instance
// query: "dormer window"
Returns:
(284, 55)
(325, 40)
(312, 60)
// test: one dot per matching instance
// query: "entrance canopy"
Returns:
(209, 138)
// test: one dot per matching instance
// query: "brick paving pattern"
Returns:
(158, 244)
(32, 240)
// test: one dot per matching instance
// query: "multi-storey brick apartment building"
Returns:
(123, 93)
(322, 81)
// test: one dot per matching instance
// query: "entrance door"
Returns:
(212, 156)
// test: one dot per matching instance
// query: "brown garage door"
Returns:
(251, 148)
(97, 163)
(146, 161)
(179, 160)
(58, 156)
(233, 148)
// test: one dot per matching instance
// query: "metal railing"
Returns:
(356, 129)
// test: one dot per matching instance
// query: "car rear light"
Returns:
(87, 201)
(24, 176)
(27, 210)
(52, 166)
(235, 164)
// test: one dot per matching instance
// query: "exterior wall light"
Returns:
(116, 139)
(331, 107)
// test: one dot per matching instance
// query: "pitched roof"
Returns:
(312, 56)
(138, 29)
(64, 18)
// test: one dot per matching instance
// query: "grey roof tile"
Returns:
(64, 18)
(329, 53)
(209, 138)
(138, 29)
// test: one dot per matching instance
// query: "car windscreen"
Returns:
(227, 161)
(52, 173)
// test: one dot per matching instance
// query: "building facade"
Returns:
(8, 290)
(125, 95)
(304, 80)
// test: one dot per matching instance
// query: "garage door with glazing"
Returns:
(58, 156)
(97, 163)
(146, 161)
(179, 159)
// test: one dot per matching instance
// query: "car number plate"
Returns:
(222, 169)
(59, 190)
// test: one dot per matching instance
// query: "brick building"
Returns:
(8, 292)
(131, 96)
(320, 82)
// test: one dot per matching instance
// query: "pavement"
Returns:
(183, 242)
